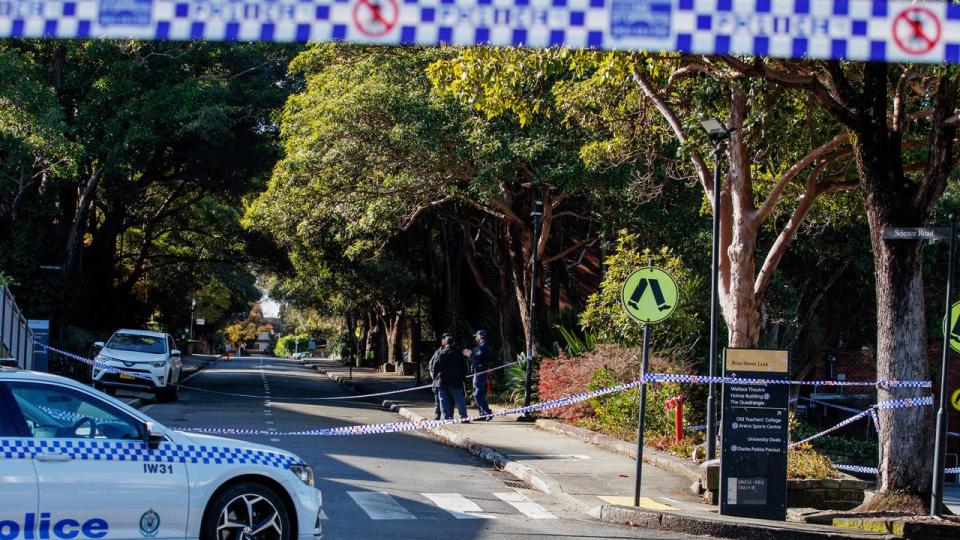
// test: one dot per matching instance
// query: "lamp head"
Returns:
(715, 129)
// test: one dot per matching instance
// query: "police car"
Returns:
(76, 464)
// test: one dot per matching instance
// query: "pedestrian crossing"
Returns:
(382, 506)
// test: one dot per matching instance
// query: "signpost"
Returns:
(649, 296)
(753, 458)
(951, 340)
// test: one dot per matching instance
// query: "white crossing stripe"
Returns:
(379, 505)
(457, 505)
(529, 508)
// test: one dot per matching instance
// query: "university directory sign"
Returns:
(753, 458)
(878, 30)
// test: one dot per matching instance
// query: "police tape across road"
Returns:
(651, 377)
(111, 369)
(397, 427)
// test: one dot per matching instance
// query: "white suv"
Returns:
(145, 360)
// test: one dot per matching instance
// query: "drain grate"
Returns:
(516, 484)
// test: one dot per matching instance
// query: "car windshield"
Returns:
(138, 343)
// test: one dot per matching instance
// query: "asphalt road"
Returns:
(390, 486)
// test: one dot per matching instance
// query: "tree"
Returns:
(126, 164)
(374, 154)
(903, 123)
(640, 108)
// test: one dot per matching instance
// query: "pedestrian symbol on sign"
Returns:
(649, 295)
(955, 399)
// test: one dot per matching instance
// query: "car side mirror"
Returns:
(98, 344)
(154, 436)
(175, 352)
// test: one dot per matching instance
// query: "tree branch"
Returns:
(670, 116)
(770, 203)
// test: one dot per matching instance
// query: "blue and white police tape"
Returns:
(874, 470)
(95, 363)
(110, 369)
(855, 468)
(704, 379)
(890, 404)
(337, 398)
(397, 427)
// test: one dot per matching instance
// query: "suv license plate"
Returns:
(126, 376)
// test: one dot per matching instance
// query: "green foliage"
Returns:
(606, 318)
(289, 344)
(573, 344)
(856, 450)
(511, 390)
(805, 462)
(618, 414)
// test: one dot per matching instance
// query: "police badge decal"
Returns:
(149, 523)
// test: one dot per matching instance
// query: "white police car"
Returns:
(76, 464)
(141, 359)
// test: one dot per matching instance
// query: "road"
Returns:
(390, 486)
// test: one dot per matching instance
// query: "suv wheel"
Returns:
(247, 510)
(170, 392)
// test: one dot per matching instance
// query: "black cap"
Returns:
(446, 335)
(480, 333)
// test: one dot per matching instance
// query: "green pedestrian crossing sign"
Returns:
(955, 327)
(649, 295)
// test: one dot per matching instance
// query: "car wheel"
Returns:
(168, 393)
(249, 511)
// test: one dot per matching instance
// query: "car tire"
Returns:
(168, 393)
(233, 505)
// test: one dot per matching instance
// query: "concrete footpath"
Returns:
(585, 477)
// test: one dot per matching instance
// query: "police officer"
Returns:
(448, 371)
(435, 384)
(480, 359)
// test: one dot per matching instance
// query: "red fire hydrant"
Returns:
(676, 403)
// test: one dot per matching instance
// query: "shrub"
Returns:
(614, 414)
(805, 462)
(287, 345)
(605, 318)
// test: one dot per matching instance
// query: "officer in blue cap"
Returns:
(480, 358)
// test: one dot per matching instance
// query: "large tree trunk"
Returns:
(906, 436)
(75, 236)
(737, 300)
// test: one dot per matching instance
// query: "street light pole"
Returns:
(718, 134)
(939, 457)
(193, 306)
(536, 214)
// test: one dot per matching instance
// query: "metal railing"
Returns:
(16, 337)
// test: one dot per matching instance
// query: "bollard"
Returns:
(676, 403)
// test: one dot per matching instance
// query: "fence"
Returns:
(16, 337)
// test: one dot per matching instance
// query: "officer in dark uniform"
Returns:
(436, 379)
(448, 370)
(480, 359)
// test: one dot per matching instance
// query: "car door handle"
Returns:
(53, 458)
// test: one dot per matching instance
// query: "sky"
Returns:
(271, 308)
